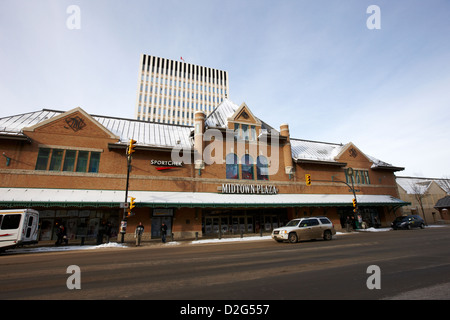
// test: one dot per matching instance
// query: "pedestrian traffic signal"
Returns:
(131, 146)
(308, 179)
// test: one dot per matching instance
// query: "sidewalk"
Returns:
(147, 242)
(154, 242)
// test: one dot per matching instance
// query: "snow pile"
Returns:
(105, 245)
(374, 229)
(65, 248)
(231, 239)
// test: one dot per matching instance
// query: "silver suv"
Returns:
(305, 229)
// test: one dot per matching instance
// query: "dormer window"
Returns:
(245, 132)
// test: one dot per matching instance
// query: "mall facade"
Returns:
(229, 173)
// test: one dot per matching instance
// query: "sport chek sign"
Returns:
(165, 164)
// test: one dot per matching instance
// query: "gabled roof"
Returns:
(13, 125)
(246, 114)
(159, 135)
(443, 203)
(413, 185)
(146, 133)
(64, 114)
(218, 118)
(315, 151)
(149, 134)
(417, 185)
(329, 153)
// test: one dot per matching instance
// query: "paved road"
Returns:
(413, 264)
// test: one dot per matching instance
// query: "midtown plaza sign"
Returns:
(237, 188)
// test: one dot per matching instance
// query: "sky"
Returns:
(318, 65)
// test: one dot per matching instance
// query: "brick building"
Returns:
(230, 172)
(422, 194)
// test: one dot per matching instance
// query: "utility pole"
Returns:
(123, 224)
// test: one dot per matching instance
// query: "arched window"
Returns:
(247, 167)
(232, 166)
(262, 168)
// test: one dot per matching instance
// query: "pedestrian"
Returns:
(138, 233)
(61, 235)
(348, 224)
(163, 232)
(101, 231)
(108, 231)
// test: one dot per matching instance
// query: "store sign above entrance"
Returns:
(236, 188)
(165, 164)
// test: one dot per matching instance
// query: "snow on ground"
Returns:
(65, 248)
(174, 243)
(374, 229)
(232, 239)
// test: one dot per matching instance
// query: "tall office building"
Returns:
(172, 91)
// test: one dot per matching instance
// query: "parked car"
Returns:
(408, 222)
(305, 229)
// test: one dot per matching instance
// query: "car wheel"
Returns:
(422, 226)
(327, 235)
(293, 237)
(408, 227)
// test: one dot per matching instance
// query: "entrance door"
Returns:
(156, 226)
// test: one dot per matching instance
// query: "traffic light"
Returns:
(355, 205)
(131, 146)
(131, 205)
(308, 179)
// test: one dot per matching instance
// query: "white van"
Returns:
(18, 227)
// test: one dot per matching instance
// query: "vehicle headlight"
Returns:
(283, 232)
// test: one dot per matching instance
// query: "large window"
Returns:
(244, 132)
(56, 161)
(42, 160)
(232, 166)
(262, 168)
(83, 158)
(95, 162)
(67, 160)
(247, 167)
(359, 177)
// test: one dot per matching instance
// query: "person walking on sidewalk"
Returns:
(61, 234)
(163, 232)
(138, 233)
